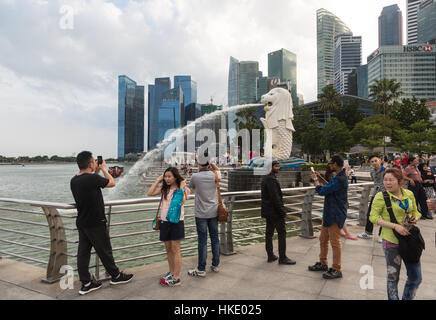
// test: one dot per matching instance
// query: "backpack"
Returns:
(411, 246)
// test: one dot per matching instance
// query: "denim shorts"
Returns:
(172, 231)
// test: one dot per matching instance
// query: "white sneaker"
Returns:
(215, 269)
(196, 273)
(380, 240)
(365, 235)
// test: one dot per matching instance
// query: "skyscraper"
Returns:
(390, 26)
(362, 81)
(171, 111)
(233, 87)
(427, 22)
(412, 21)
(189, 88)
(414, 66)
(328, 26)
(154, 101)
(348, 57)
(130, 117)
(282, 64)
(248, 73)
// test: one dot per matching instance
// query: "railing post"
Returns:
(58, 245)
(306, 217)
(226, 237)
(363, 205)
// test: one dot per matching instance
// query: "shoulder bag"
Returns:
(411, 246)
(156, 221)
(223, 214)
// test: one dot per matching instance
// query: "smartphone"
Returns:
(99, 159)
(313, 170)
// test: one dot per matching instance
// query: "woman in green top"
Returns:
(403, 204)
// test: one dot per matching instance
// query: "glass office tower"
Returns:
(155, 93)
(362, 81)
(327, 26)
(390, 26)
(171, 111)
(414, 66)
(282, 64)
(412, 20)
(233, 84)
(348, 57)
(130, 117)
(427, 22)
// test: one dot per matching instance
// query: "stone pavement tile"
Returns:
(326, 298)
(291, 295)
(20, 272)
(303, 284)
(10, 291)
(338, 289)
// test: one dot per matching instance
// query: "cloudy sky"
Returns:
(60, 59)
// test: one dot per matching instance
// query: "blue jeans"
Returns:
(414, 278)
(202, 226)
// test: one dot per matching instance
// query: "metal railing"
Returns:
(244, 225)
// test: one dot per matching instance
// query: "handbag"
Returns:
(156, 221)
(223, 214)
(411, 246)
(175, 208)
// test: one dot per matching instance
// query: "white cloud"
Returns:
(56, 85)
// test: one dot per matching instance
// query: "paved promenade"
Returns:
(245, 275)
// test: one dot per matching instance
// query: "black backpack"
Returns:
(411, 246)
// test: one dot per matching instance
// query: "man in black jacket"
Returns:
(274, 212)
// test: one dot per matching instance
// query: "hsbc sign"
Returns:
(427, 48)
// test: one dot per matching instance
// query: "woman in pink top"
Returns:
(171, 233)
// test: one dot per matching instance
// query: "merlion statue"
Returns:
(278, 123)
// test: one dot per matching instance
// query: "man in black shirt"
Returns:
(274, 212)
(91, 221)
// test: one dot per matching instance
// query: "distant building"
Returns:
(209, 108)
(390, 26)
(427, 22)
(322, 117)
(414, 66)
(352, 83)
(362, 81)
(171, 111)
(242, 86)
(155, 93)
(412, 20)
(327, 26)
(282, 64)
(130, 117)
(348, 57)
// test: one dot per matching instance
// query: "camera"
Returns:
(99, 160)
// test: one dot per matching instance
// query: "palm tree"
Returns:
(384, 93)
(330, 100)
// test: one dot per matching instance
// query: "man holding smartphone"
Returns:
(91, 221)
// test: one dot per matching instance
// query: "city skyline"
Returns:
(63, 87)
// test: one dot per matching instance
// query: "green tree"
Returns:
(419, 139)
(307, 131)
(384, 92)
(330, 100)
(410, 111)
(370, 131)
(349, 113)
(336, 137)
